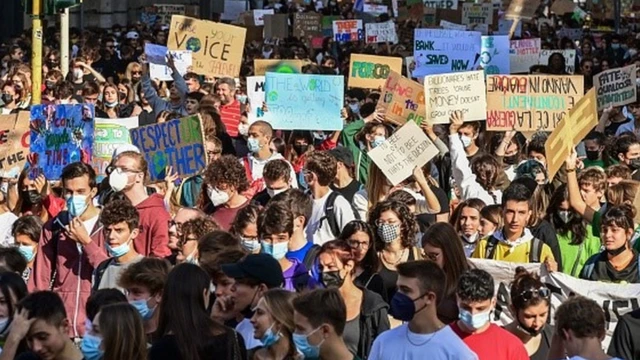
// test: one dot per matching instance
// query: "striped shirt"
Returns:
(230, 115)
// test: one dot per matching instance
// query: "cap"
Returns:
(343, 155)
(132, 35)
(123, 148)
(261, 267)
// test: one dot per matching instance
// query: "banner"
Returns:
(494, 57)
(523, 54)
(217, 48)
(447, 93)
(402, 100)
(407, 148)
(574, 127)
(530, 102)
(304, 101)
(441, 4)
(60, 135)
(616, 87)
(177, 143)
(381, 32)
(255, 94)
(371, 71)
(14, 143)
(569, 58)
(347, 30)
(438, 51)
(307, 25)
(109, 135)
(182, 60)
(262, 66)
(477, 13)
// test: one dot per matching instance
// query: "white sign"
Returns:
(182, 59)
(375, 9)
(255, 94)
(407, 148)
(381, 32)
(452, 26)
(438, 51)
(569, 58)
(447, 93)
(258, 16)
(477, 13)
(523, 54)
(441, 4)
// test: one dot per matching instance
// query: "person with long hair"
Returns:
(245, 226)
(438, 247)
(133, 73)
(186, 328)
(12, 291)
(490, 220)
(33, 197)
(366, 310)
(361, 136)
(110, 106)
(118, 334)
(273, 325)
(466, 221)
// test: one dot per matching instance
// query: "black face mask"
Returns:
(634, 164)
(529, 330)
(31, 197)
(332, 279)
(510, 160)
(248, 312)
(300, 148)
(593, 155)
(617, 251)
(7, 98)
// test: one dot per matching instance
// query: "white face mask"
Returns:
(78, 74)
(243, 129)
(273, 192)
(217, 197)
(118, 180)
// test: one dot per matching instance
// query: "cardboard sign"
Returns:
(307, 25)
(522, 9)
(616, 87)
(448, 25)
(177, 143)
(530, 102)
(561, 7)
(348, 30)
(569, 58)
(216, 48)
(258, 16)
(304, 101)
(494, 57)
(375, 9)
(574, 127)
(166, 11)
(448, 93)
(109, 135)
(402, 100)
(477, 13)
(371, 71)
(523, 54)
(255, 95)
(407, 148)
(381, 32)
(14, 143)
(60, 135)
(276, 26)
(262, 66)
(183, 61)
(438, 51)
(441, 4)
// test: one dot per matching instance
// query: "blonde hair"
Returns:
(377, 186)
(128, 72)
(279, 303)
(622, 192)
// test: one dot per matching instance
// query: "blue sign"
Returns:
(494, 57)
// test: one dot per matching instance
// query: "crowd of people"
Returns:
(294, 244)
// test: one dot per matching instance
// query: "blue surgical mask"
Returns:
(302, 344)
(191, 258)
(118, 251)
(253, 144)
(90, 347)
(28, 252)
(377, 141)
(355, 108)
(278, 250)
(242, 99)
(250, 245)
(110, 105)
(77, 204)
(143, 309)
(474, 322)
(466, 141)
(269, 338)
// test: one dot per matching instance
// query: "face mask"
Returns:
(78, 74)
(269, 338)
(277, 251)
(307, 350)
(332, 279)
(242, 99)
(123, 96)
(118, 180)
(531, 331)
(143, 308)
(474, 322)
(253, 144)
(250, 245)
(615, 46)
(319, 135)
(90, 347)
(355, 108)
(110, 105)
(510, 160)
(565, 216)
(3, 323)
(50, 84)
(243, 129)
(634, 164)
(388, 232)
(7, 98)
(31, 197)
(4, 187)
(77, 204)
(273, 192)
(27, 252)
(377, 141)
(593, 155)
(617, 251)
(191, 259)
(300, 148)
(217, 197)
(266, 54)
(466, 141)
(118, 251)
(403, 307)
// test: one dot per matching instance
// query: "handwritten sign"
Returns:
(176, 143)
(381, 32)
(407, 148)
(438, 51)
(14, 143)
(569, 58)
(574, 127)
(441, 4)
(523, 54)
(262, 66)
(216, 47)
(182, 60)
(370, 71)
(530, 102)
(522, 9)
(60, 135)
(494, 57)
(307, 25)
(477, 13)
(109, 135)
(348, 30)
(304, 101)
(258, 16)
(374, 9)
(448, 93)
(166, 11)
(156, 54)
(448, 25)
(616, 87)
(402, 100)
(255, 94)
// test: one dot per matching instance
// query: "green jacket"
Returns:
(360, 157)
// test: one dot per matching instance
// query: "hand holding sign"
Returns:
(456, 122)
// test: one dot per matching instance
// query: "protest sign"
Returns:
(216, 47)
(494, 57)
(438, 51)
(262, 66)
(574, 127)
(149, 16)
(60, 135)
(255, 94)
(477, 13)
(530, 102)
(166, 11)
(616, 87)
(348, 30)
(156, 54)
(276, 26)
(504, 26)
(448, 25)
(307, 25)
(14, 143)
(522, 9)
(573, 34)
(327, 25)
(448, 93)
(441, 4)
(109, 135)
(523, 54)
(561, 7)
(371, 71)
(381, 32)
(407, 148)
(402, 100)
(232, 9)
(176, 143)
(182, 60)
(258, 16)
(304, 101)
(569, 58)
(375, 9)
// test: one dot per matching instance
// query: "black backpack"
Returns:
(330, 214)
(534, 254)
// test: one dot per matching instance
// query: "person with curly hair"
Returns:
(192, 231)
(225, 181)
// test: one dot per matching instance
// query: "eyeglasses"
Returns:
(358, 244)
(178, 225)
(214, 153)
(542, 292)
(136, 72)
(184, 241)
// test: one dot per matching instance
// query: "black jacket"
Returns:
(545, 232)
(373, 321)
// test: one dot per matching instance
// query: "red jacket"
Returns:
(74, 270)
(154, 228)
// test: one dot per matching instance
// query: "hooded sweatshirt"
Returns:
(154, 228)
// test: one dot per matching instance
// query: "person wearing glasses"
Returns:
(190, 188)
(192, 231)
(530, 306)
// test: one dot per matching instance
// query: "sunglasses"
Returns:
(542, 292)
(136, 72)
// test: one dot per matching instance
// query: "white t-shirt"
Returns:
(245, 329)
(257, 167)
(401, 344)
(318, 227)
(6, 222)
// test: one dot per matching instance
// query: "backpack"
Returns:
(588, 268)
(330, 214)
(535, 252)
(99, 271)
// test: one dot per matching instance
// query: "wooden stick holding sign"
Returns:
(514, 26)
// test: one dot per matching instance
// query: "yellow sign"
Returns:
(402, 100)
(370, 71)
(262, 66)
